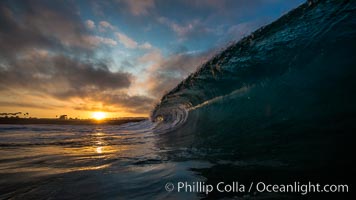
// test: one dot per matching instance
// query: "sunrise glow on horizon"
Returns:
(99, 115)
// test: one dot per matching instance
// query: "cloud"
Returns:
(134, 103)
(131, 43)
(163, 73)
(126, 40)
(23, 105)
(146, 45)
(175, 68)
(152, 57)
(38, 25)
(103, 25)
(90, 24)
(97, 40)
(44, 46)
(61, 77)
(118, 102)
(47, 52)
(139, 7)
(66, 80)
(190, 29)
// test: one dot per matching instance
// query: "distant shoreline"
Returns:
(23, 121)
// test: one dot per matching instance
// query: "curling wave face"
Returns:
(287, 86)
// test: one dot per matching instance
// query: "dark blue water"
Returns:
(277, 106)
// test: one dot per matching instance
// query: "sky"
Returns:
(77, 57)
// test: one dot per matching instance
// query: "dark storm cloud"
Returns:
(41, 24)
(61, 76)
(86, 78)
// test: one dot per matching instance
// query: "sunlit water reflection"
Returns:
(91, 162)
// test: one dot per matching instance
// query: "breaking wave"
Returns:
(289, 85)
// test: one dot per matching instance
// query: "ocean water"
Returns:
(277, 106)
(88, 162)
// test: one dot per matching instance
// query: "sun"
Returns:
(98, 115)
